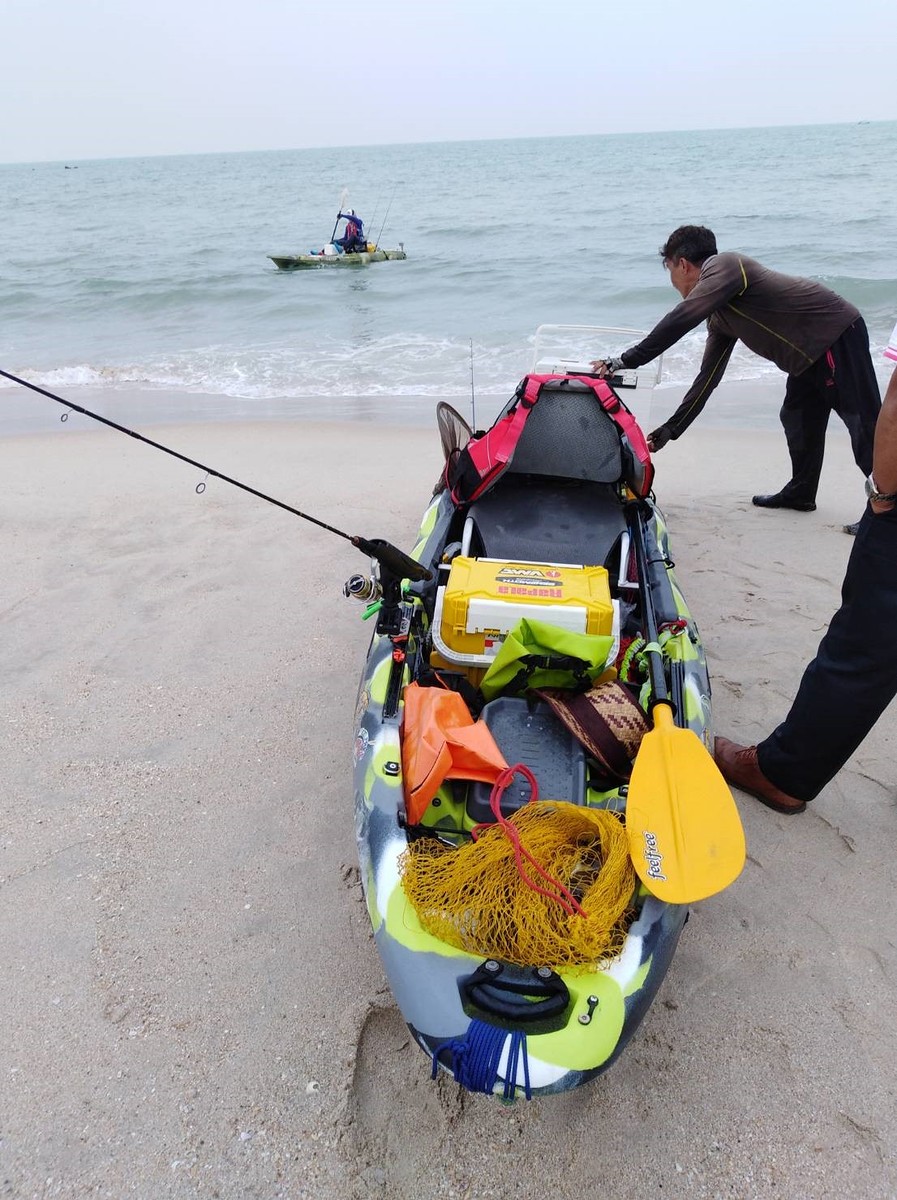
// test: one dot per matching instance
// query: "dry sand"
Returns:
(191, 1002)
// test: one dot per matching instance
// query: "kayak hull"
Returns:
(605, 1004)
(310, 262)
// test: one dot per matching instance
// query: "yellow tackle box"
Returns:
(484, 598)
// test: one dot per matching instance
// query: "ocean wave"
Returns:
(400, 366)
(140, 289)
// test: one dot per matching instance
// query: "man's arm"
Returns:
(722, 279)
(717, 352)
(884, 454)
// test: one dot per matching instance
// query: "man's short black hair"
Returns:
(694, 242)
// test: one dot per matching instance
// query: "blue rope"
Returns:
(516, 1052)
(474, 1059)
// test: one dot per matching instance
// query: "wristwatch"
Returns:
(872, 492)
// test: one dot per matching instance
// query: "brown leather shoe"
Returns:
(740, 767)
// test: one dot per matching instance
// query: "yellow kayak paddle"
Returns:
(685, 835)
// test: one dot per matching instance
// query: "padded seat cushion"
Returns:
(542, 520)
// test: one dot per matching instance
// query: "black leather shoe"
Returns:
(853, 529)
(780, 500)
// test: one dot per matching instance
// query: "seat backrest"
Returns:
(568, 435)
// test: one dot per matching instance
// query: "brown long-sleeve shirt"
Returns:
(790, 321)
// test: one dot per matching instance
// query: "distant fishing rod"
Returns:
(385, 215)
(393, 560)
(373, 216)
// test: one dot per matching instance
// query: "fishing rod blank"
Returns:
(385, 215)
(401, 565)
(473, 398)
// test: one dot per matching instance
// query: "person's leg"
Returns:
(804, 416)
(856, 395)
(853, 677)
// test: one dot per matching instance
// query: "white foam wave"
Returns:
(399, 365)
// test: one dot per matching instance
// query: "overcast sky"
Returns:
(109, 78)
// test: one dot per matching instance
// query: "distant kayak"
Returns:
(296, 262)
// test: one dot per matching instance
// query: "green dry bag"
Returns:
(536, 654)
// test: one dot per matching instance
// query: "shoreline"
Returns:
(736, 405)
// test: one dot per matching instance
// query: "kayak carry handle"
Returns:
(518, 995)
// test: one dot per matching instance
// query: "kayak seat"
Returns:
(558, 501)
(568, 435)
(534, 519)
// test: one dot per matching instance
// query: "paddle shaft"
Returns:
(343, 197)
(659, 692)
(685, 835)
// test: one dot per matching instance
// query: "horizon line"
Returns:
(442, 142)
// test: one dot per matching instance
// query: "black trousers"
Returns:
(853, 677)
(842, 381)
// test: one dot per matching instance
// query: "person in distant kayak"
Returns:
(853, 677)
(353, 239)
(818, 338)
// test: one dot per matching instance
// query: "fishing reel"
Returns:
(393, 565)
(363, 587)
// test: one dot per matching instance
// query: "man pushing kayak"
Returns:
(812, 334)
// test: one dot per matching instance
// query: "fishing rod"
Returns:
(473, 398)
(394, 562)
(375, 210)
(385, 215)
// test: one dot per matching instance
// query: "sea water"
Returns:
(151, 275)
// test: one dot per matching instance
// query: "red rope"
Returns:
(674, 626)
(563, 896)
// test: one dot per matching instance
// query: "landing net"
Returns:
(478, 898)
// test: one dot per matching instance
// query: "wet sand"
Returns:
(191, 1000)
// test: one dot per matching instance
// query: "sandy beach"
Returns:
(191, 1001)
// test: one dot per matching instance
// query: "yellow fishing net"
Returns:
(482, 897)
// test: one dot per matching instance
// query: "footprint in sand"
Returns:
(392, 1098)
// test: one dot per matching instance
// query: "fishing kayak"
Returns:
(299, 262)
(569, 541)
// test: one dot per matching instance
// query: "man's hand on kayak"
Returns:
(659, 438)
(603, 367)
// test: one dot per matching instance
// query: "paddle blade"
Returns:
(685, 835)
